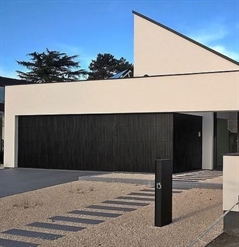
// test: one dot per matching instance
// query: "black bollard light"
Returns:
(163, 192)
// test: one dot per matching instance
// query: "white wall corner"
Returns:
(207, 146)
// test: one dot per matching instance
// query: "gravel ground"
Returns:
(193, 211)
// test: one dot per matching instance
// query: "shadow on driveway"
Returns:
(19, 180)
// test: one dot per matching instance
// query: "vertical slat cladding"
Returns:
(113, 142)
(141, 138)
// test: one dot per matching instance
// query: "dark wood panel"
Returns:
(110, 142)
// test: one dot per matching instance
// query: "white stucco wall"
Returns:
(193, 93)
(230, 182)
(160, 51)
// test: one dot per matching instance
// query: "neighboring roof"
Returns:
(187, 38)
(5, 81)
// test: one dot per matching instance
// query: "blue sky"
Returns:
(89, 27)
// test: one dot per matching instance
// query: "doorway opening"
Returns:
(226, 136)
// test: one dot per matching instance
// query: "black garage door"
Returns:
(107, 142)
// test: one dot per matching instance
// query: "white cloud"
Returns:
(232, 54)
(209, 37)
(84, 58)
(215, 36)
(209, 34)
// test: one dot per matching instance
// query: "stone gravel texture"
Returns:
(193, 211)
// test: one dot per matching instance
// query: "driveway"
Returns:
(19, 180)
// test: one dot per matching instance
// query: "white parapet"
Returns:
(231, 193)
(230, 181)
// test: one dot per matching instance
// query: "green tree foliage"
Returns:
(106, 65)
(51, 66)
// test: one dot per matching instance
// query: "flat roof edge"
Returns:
(138, 77)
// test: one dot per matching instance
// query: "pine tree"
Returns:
(106, 65)
(51, 66)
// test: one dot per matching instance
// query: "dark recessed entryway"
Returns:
(187, 139)
(226, 136)
(109, 142)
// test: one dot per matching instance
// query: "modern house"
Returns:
(182, 104)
